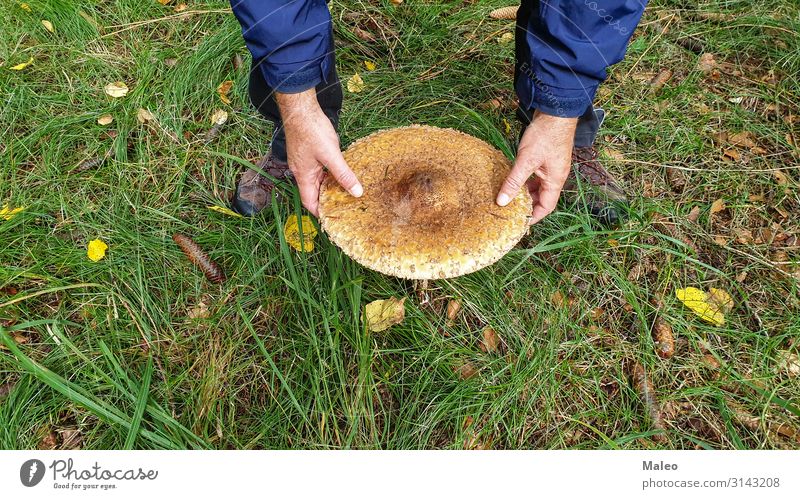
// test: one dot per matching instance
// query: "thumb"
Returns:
(516, 179)
(343, 174)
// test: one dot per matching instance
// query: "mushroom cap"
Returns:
(428, 209)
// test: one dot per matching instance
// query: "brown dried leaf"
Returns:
(706, 63)
(788, 362)
(694, 214)
(717, 206)
(466, 371)
(491, 341)
(363, 34)
(223, 90)
(453, 307)
(676, 179)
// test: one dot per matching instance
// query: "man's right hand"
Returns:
(311, 143)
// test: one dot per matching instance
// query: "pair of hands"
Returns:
(543, 158)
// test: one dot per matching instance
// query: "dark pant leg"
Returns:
(589, 122)
(329, 96)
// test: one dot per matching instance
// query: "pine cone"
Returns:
(509, 12)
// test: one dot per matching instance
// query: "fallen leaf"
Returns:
(506, 38)
(453, 307)
(24, 6)
(370, 66)
(7, 213)
(711, 362)
(710, 307)
(199, 311)
(170, 62)
(491, 342)
(788, 362)
(676, 179)
(731, 155)
(363, 34)
(694, 214)
(143, 115)
(383, 314)
(355, 84)
(224, 211)
(181, 7)
(613, 154)
(706, 62)
(291, 230)
(96, 250)
(397, 2)
(223, 90)
(21, 66)
(780, 177)
(48, 26)
(509, 12)
(506, 126)
(742, 139)
(717, 206)
(721, 299)
(164, 2)
(219, 117)
(116, 89)
(466, 371)
(105, 119)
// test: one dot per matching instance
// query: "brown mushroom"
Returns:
(428, 209)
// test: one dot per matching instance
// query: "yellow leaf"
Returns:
(355, 84)
(219, 117)
(507, 126)
(96, 250)
(710, 307)
(224, 211)
(7, 213)
(506, 38)
(24, 6)
(223, 89)
(23, 65)
(383, 314)
(104, 120)
(116, 89)
(164, 2)
(48, 26)
(370, 65)
(291, 230)
(181, 7)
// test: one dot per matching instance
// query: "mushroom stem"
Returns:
(421, 288)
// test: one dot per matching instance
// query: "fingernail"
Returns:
(503, 199)
(357, 191)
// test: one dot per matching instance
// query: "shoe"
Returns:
(254, 191)
(590, 185)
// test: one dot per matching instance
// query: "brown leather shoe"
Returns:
(254, 191)
(590, 185)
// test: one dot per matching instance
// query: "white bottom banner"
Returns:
(136, 474)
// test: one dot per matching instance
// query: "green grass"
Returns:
(283, 359)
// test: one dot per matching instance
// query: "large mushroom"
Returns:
(428, 209)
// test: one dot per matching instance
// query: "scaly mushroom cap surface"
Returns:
(428, 209)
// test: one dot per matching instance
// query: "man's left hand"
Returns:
(543, 161)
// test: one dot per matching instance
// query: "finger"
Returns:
(343, 174)
(546, 203)
(522, 170)
(308, 184)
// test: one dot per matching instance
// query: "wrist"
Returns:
(554, 121)
(292, 106)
